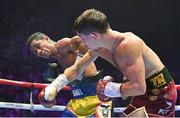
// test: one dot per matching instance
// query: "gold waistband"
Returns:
(159, 79)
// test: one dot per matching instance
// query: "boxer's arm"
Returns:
(79, 45)
(78, 68)
(132, 65)
(135, 73)
(128, 57)
(69, 75)
(64, 45)
(71, 44)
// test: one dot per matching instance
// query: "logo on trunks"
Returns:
(77, 92)
(158, 80)
(167, 109)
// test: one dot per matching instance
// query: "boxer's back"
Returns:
(152, 62)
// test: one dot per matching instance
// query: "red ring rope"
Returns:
(36, 85)
(26, 84)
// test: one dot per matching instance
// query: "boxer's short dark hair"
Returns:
(91, 20)
(34, 36)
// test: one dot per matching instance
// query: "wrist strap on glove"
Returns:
(113, 90)
(60, 82)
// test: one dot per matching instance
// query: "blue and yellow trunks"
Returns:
(86, 102)
(85, 99)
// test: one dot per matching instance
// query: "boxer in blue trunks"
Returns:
(68, 51)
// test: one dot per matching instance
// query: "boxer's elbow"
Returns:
(140, 89)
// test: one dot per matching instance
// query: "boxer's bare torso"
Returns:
(123, 41)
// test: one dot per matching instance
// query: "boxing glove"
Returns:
(43, 100)
(107, 89)
(100, 90)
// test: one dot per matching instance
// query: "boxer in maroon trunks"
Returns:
(160, 97)
(148, 81)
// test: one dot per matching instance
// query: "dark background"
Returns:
(157, 22)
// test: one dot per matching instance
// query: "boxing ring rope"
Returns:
(32, 106)
(27, 84)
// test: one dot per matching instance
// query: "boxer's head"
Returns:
(40, 44)
(91, 20)
(90, 25)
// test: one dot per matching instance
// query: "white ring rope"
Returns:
(30, 106)
(54, 108)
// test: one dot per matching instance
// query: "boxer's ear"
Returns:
(45, 37)
(93, 35)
